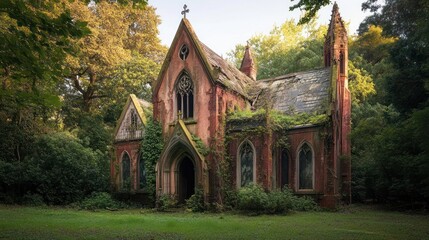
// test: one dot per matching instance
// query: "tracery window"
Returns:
(246, 160)
(133, 119)
(185, 96)
(184, 52)
(305, 167)
(126, 168)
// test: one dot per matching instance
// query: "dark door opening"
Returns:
(186, 179)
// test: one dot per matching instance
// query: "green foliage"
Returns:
(372, 45)
(279, 120)
(94, 133)
(283, 121)
(33, 199)
(196, 202)
(311, 7)
(304, 203)
(63, 170)
(100, 200)
(165, 201)
(389, 155)
(252, 198)
(117, 58)
(151, 148)
(287, 48)
(201, 147)
(361, 83)
(406, 21)
(279, 202)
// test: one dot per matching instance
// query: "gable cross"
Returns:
(185, 11)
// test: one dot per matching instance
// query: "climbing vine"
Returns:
(201, 147)
(151, 148)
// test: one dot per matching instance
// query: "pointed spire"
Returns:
(248, 66)
(335, 8)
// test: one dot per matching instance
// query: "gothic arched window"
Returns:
(185, 96)
(305, 166)
(184, 52)
(246, 160)
(126, 168)
(133, 119)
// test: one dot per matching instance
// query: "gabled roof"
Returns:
(302, 92)
(217, 69)
(138, 105)
(227, 74)
(180, 126)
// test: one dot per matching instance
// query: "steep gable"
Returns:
(132, 121)
(217, 69)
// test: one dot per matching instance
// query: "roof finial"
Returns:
(185, 10)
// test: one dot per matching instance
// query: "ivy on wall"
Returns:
(151, 148)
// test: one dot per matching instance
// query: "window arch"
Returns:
(133, 119)
(305, 167)
(126, 171)
(246, 164)
(185, 96)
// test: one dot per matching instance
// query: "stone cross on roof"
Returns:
(185, 10)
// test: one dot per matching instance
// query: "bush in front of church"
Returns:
(100, 200)
(252, 198)
(196, 201)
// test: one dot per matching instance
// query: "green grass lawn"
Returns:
(357, 222)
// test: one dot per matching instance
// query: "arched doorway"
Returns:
(186, 185)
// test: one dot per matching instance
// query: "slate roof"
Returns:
(227, 74)
(302, 92)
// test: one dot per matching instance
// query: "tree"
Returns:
(35, 38)
(112, 45)
(311, 7)
(59, 169)
(287, 48)
(361, 83)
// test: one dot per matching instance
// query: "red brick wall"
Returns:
(132, 148)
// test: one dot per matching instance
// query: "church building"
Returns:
(222, 127)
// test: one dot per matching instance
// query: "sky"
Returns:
(222, 24)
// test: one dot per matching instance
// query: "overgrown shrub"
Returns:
(279, 202)
(165, 201)
(304, 203)
(196, 202)
(100, 200)
(230, 199)
(33, 199)
(62, 170)
(252, 198)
